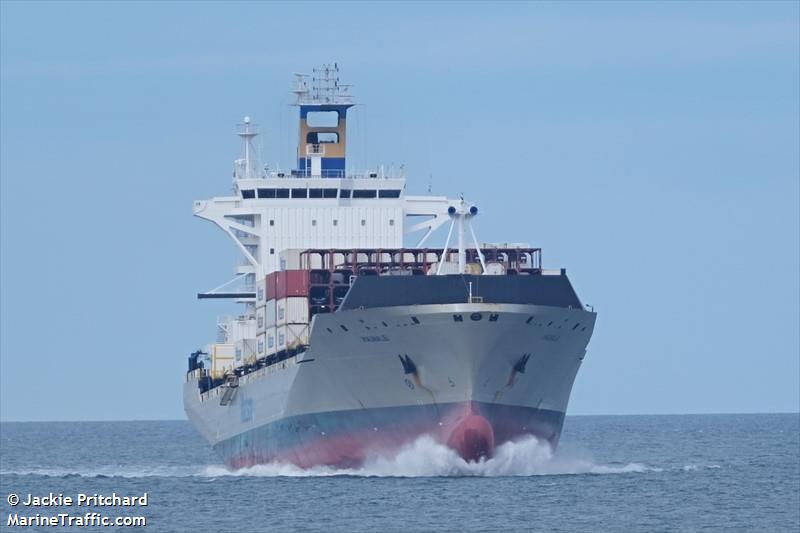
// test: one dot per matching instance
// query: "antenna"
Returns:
(247, 168)
(324, 87)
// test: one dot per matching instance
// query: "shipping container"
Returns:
(280, 336)
(291, 283)
(261, 345)
(292, 336)
(241, 327)
(271, 341)
(292, 311)
(270, 320)
(223, 358)
(291, 260)
(270, 284)
(261, 292)
(261, 320)
(245, 352)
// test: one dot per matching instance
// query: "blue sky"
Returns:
(650, 148)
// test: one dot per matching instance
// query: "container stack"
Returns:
(282, 307)
(261, 318)
(290, 300)
(240, 332)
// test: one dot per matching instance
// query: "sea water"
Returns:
(610, 473)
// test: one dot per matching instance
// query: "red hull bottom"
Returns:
(348, 439)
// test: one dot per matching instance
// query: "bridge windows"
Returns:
(322, 137)
(270, 193)
(389, 193)
(322, 119)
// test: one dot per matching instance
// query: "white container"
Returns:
(241, 327)
(270, 318)
(291, 336)
(290, 260)
(261, 292)
(292, 310)
(245, 352)
(271, 341)
(280, 336)
(261, 320)
(261, 345)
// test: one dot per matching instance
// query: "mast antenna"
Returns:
(247, 167)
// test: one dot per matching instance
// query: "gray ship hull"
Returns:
(471, 375)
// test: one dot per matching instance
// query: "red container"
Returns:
(291, 283)
(272, 285)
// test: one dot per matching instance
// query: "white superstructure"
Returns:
(271, 211)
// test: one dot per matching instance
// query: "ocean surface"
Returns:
(610, 473)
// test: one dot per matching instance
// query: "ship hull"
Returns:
(349, 438)
(471, 376)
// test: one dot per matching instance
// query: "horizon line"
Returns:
(567, 416)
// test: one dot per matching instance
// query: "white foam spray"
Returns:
(427, 458)
(423, 458)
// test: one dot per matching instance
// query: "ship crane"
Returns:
(461, 217)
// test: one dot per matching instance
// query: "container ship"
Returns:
(351, 344)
